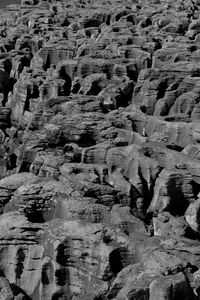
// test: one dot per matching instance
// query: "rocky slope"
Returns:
(100, 150)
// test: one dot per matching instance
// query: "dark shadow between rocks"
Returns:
(12, 82)
(12, 162)
(175, 147)
(86, 140)
(35, 217)
(191, 234)
(196, 189)
(115, 261)
(25, 167)
(17, 291)
(47, 63)
(68, 82)
(178, 203)
(162, 89)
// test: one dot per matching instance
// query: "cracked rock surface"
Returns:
(100, 150)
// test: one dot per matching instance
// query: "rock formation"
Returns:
(99, 150)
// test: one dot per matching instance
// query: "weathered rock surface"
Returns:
(99, 150)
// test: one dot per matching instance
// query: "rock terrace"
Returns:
(100, 150)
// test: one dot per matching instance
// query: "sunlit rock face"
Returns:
(99, 150)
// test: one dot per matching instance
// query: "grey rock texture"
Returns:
(99, 150)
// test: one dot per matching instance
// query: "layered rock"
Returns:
(99, 154)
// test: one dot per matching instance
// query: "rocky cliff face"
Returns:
(99, 150)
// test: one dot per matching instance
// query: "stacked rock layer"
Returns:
(100, 150)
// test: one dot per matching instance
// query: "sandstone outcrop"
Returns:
(99, 150)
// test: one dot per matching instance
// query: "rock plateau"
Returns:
(100, 150)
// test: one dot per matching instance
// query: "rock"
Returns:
(167, 225)
(84, 209)
(168, 185)
(192, 215)
(72, 243)
(5, 289)
(36, 200)
(196, 282)
(86, 172)
(9, 184)
(99, 150)
(122, 217)
(174, 286)
(16, 232)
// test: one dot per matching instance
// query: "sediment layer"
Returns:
(99, 153)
